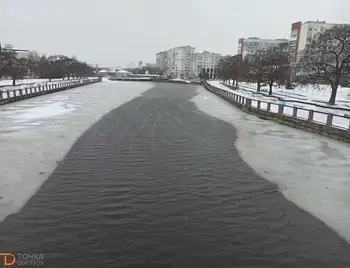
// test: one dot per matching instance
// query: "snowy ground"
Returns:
(307, 93)
(36, 133)
(320, 115)
(310, 170)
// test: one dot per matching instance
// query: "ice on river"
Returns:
(36, 134)
(312, 171)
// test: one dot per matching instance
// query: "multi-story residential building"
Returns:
(161, 61)
(248, 46)
(205, 62)
(302, 34)
(183, 62)
(179, 61)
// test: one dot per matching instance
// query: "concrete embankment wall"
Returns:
(31, 92)
(308, 124)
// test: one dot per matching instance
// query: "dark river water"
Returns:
(158, 183)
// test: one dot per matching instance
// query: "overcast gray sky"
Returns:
(115, 32)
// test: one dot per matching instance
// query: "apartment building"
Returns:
(248, 46)
(161, 61)
(205, 62)
(179, 61)
(184, 62)
(302, 34)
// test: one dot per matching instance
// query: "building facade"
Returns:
(179, 62)
(184, 62)
(302, 34)
(161, 61)
(19, 53)
(248, 46)
(205, 62)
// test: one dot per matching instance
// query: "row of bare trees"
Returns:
(33, 65)
(325, 60)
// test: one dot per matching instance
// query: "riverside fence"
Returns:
(327, 124)
(7, 96)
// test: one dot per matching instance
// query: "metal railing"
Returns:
(32, 91)
(308, 115)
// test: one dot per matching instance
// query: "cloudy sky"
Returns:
(116, 32)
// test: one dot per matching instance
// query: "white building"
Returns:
(248, 46)
(205, 62)
(184, 62)
(19, 53)
(161, 61)
(302, 35)
(179, 62)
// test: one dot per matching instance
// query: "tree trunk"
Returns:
(270, 85)
(50, 79)
(333, 94)
(13, 80)
(237, 83)
(259, 86)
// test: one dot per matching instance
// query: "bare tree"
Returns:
(277, 65)
(59, 66)
(6, 53)
(229, 68)
(224, 72)
(326, 60)
(33, 60)
(257, 63)
(269, 65)
(16, 68)
(3, 63)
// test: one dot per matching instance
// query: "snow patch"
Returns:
(48, 110)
